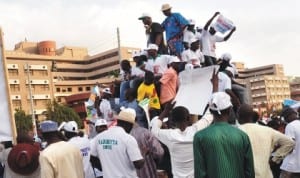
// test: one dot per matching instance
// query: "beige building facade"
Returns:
(267, 85)
(56, 73)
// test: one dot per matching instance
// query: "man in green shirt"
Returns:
(221, 150)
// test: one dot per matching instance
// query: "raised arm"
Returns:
(229, 34)
(210, 20)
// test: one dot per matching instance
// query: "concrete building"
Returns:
(56, 73)
(267, 85)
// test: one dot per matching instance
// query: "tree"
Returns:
(23, 121)
(59, 113)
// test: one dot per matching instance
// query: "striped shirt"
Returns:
(222, 151)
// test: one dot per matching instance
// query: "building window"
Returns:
(45, 87)
(15, 87)
(13, 72)
(42, 72)
(16, 103)
(30, 72)
(80, 89)
(57, 89)
(87, 88)
(69, 89)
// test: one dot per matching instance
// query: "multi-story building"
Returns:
(267, 85)
(56, 73)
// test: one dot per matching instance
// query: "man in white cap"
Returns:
(59, 159)
(101, 125)
(118, 151)
(82, 143)
(222, 150)
(189, 33)
(154, 32)
(159, 63)
(193, 55)
(174, 25)
(209, 39)
(105, 107)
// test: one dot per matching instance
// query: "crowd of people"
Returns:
(126, 140)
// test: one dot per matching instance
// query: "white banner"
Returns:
(5, 122)
(223, 24)
(195, 89)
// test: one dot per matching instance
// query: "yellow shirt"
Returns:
(148, 91)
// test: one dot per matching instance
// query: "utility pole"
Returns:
(31, 102)
(119, 44)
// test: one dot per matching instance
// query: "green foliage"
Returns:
(59, 113)
(23, 121)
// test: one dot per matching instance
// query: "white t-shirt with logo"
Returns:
(192, 57)
(291, 162)
(117, 151)
(84, 146)
(209, 43)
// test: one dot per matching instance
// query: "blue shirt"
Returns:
(174, 24)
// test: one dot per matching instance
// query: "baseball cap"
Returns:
(127, 115)
(144, 15)
(226, 57)
(165, 7)
(106, 90)
(152, 46)
(100, 122)
(193, 40)
(48, 126)
(220, 101)
(173, 59)
(71, 126)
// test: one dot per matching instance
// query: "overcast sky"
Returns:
(268, 31)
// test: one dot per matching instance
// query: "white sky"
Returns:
(267, 31)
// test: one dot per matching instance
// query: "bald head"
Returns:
(245, 114)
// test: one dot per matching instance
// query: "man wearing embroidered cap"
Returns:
(154, 33)
(82, 143)
(222, 150)
(118, 151)
(174, 25)
(59, 159)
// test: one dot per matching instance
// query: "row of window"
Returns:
(15, 72)
(16, 87)
(70, 89)
(18, 103)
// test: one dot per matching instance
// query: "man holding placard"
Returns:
(209, 37)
